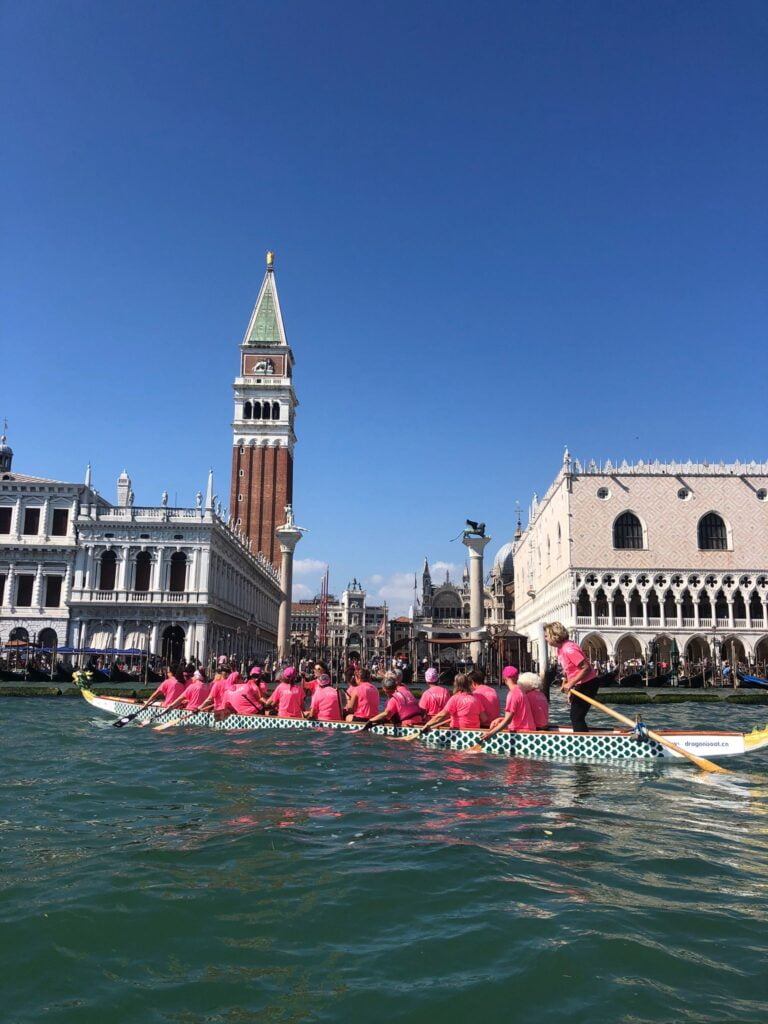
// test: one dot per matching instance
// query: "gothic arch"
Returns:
(629, 532)
(713, 533)
(595, 648)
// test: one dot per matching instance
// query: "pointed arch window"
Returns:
(713, 535)
(627, 531)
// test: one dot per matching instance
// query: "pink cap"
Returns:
(431, 675)
(255, 671)
(510, 672)
(289, 673)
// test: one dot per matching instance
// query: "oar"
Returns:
(702, 762)
(174, 721)
(125, 719)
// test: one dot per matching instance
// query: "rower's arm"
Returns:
(501, 723)
(437, 719)
(151, 699)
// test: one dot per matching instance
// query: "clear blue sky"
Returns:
(499, 228)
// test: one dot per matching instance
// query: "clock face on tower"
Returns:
(263, 366)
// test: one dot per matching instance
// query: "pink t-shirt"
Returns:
(465, 710)
(519, 706)
(171, 690)
(367, 700)
(219, 691)
(490, 701)
(325, 704)
(244, 699)
(403, 703)
(433, 699)
(196, 694)
(539, 707)
(571, 656)
(290, 700)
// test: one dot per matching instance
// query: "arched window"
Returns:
(583, 606)
(627, 531)
(107, 571)
(275, 410)
(257, 410)
(266, 411)
(143, 571)
(713, 535)
(247, 411)
(178, 578)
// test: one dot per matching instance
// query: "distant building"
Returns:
(78, 572)
(354, 628)
(651, 561)
(263, 435)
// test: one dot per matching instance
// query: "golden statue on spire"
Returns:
(270, 260)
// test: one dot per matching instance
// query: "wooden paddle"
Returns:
(174, 721)
(702, 762)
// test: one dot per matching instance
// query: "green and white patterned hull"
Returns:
(563, 745)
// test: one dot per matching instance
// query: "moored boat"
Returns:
(552, 745)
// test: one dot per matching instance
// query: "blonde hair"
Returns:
(529, 681)
(556, 632)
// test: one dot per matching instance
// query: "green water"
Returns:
(190, 876)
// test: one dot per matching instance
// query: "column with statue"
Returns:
(475, 541)
(288, 535)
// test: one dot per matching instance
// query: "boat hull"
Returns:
(554, 745)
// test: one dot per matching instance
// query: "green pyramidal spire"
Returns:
(266, 323)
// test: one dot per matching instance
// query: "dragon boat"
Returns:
(551, 745)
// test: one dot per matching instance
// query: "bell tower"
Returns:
(263, 437)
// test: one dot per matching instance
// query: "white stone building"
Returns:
(76, 571)
(38, 547)
(644, 561)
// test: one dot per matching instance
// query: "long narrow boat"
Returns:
(551, 745)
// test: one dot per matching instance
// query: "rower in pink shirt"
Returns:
(325, 706)
(487, 695)
(288, 695)
(401, 707)
(362, 698)
(434, 697)
(244, 698)
(170, 689)
(518, 715)
(531, 685)
(217, 695)
(195, 694)
(463, 708)
(256, 677)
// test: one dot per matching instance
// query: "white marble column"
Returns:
(476, 546)
(289, 535)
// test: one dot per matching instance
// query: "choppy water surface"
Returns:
(189, 877)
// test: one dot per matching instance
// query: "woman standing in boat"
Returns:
(578, 671)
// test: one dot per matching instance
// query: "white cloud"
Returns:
(376, 579)
(300, 592)
(396, 589)
(308, 566)
(442, 567)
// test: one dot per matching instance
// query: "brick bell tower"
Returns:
(265, 404)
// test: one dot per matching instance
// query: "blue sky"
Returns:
(500, 228)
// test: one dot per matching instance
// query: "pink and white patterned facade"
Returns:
(633, 557)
